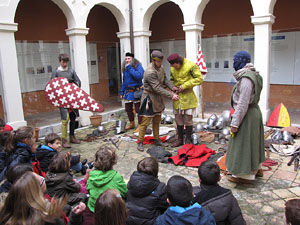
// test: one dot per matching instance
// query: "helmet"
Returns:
(195, 139)
(163, 117)
(120, 126)
(205, 126)
(168, 120)
(211, 122)
(225, 132)
(199, 128)
(221, 123)
(226, 116)
(101, 129)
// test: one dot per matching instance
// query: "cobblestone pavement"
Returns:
(261, 203)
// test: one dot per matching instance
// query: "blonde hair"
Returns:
(25, 203)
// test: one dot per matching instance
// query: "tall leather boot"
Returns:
(65, 143)
(179, 140)
(188, 134)
(74, 140)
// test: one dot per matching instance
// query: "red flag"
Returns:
(201, 62)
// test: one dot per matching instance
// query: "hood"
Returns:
(141, 184)
(46, 147)
(99, 178)
(194, 214)
(54, 179)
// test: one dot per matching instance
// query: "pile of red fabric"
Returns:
(192, 155)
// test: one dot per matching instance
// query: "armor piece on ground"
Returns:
(195, 139)
(120, 127)
(211, 122)
(278, 135)
(205, 127)
(287, 137)
(101, 129)
(217, 138)
(225, 131)
(169, 119)
(223, 141)
(226, 116)
(199, 127)
(163, 117)
(221, 123)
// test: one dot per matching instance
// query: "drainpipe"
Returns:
(131, 27)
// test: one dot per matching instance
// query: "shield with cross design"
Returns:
(62, 94)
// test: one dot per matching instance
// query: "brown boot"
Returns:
(74, 140)
(137, 130)
(129, 126)
(179, 140)
(188, 134)
(140, 146)
(65, 143)
(158, 142)
(260, 173)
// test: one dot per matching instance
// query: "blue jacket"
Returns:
(194, 214)
(132, 78)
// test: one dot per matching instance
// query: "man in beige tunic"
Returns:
(152, 105)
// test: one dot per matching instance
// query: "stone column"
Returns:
(124, 44)
(262, 40)
(192, 39)
(141, 46)
(79, 61)
(11, 94)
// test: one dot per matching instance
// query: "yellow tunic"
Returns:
(187, 76)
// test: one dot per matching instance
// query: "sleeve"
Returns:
(122, 186)
(168, 83)
(196, 79)
(123, 86)
(235, 216)
(157, 87)
(71, 185)
(136, 74)
(76, 79)
(246, 88)
(75, 219)
(54, 74)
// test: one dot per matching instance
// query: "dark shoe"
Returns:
(84, 162)
(239, 180)
(260, 173)
(83, 169)
(74, 140)
(65, 143)
(188, 134)
(140, 147)
(177, 143)
(91, 165)
(158, 142)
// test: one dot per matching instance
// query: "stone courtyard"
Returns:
(261, 203)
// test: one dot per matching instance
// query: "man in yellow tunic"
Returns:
(184, 75)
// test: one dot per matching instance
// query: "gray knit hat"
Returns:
(157, 55)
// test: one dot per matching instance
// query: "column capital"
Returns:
(8, 27)
(124, 34)
(77, 31)
(266, 19)
(142, 33)
(193, 27)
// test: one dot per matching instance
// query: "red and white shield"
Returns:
(63, 94)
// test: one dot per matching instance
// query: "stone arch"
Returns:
(198, 15)
(113, 9)
(261, 8)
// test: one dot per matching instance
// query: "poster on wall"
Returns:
(37, 61)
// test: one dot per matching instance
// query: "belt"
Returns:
(135, 88)
(186, 90)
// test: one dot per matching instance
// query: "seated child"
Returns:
(146, 196)
(292, 212)
(110, 209)
(182, 210)
(103, 176)
(45, 153)
(218, 200)
(59, 180)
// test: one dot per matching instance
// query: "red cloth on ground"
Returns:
(150, 140)
(192, 155)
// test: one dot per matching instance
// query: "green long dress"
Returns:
(246, 149)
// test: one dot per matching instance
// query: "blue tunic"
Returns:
(132, 79)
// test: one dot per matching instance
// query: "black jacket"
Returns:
(44, 155)
(146, 199)
(221, 203)
(22, 154)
